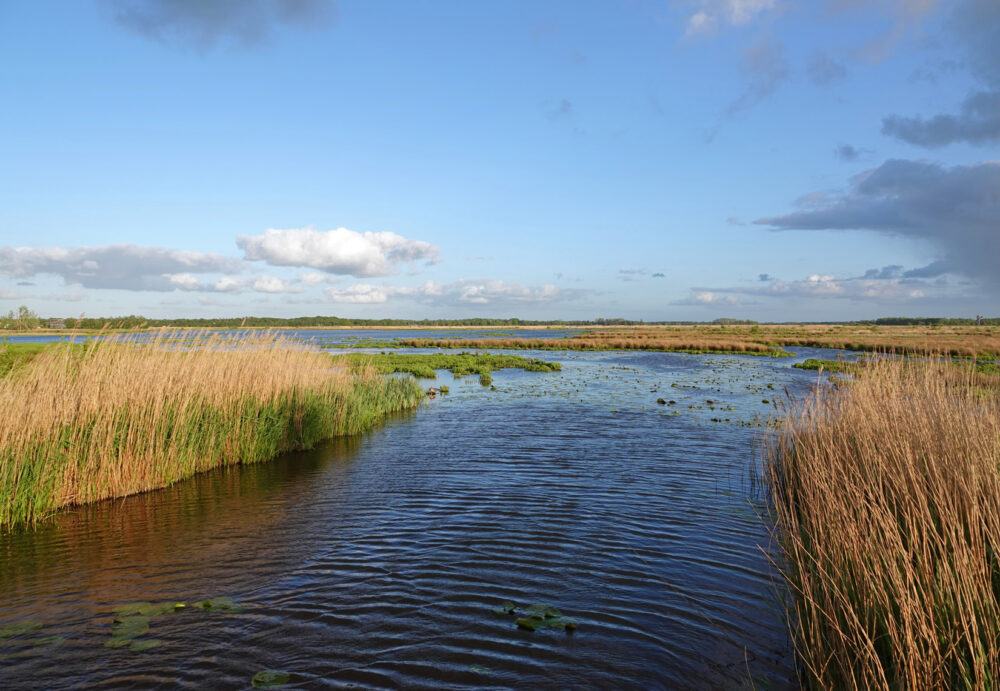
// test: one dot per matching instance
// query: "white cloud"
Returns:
(312, 278)
(183, 281)
(273, 284)
(122, 266)
(360, 294)
(463, 292)
(228, 284)
(733, 12)
(338, 251)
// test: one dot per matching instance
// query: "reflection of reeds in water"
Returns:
(84, 423)
(887, 499)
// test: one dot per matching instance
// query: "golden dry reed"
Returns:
(81, 423)
(886, 493)
(760, 339)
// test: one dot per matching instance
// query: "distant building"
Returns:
(55, 324)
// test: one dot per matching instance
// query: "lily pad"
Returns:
(269, 678)
(147, 609)
(144, 645)
(506, 607)
(545, 616)
(123, 630)
(19, 629)
(221, 604)
(50, 640)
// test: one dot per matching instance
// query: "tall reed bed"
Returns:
(81, 423)
(886, 493)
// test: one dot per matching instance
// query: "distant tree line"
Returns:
(937, 321)
(22, 320)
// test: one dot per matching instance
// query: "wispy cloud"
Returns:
(713, 14)
(204, 24)
(463, 292)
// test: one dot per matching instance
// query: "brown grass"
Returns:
(886, 493)
(84, 423)
(956, 341)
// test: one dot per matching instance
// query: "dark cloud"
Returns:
(891, 271)
(978, 122)
(126, 267)
(824, 70)
(932, 270)
(846, 152)
(975, 28)
(562, 109)
(957, 209)
(203, 24)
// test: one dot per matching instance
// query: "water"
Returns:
(374, 562)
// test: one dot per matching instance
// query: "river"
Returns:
(376, 561)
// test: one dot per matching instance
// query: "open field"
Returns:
(886, 493)
(958, 341)
(81, 423)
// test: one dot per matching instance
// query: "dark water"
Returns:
(374, 562)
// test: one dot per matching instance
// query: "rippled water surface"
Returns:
(375, 561)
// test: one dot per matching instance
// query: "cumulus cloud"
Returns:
(338, 251)
(978, 122)
(701, 298)
(273, 284)
(713, 13)
(824, 70)
(463, 292)
(956, 209)
(203, 24)
(125, 267)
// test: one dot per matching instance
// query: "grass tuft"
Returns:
(886, 494)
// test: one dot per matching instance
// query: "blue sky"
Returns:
(659, 160)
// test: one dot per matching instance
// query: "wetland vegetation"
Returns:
(111, 418)
(886, 496)
(423, 365)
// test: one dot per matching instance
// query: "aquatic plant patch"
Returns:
(537, 616)
(461, 364)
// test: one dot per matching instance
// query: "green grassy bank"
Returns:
(82, 424)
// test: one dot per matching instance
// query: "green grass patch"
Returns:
(833, 366)
(424, 365)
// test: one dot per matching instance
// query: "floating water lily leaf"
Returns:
(269, 678)
(221, 604)
(147, 609)
(144, 645)
(542, 616)
(19, 629)
(480, 669)
(50, 640)
(125, 629)
(506, 607)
